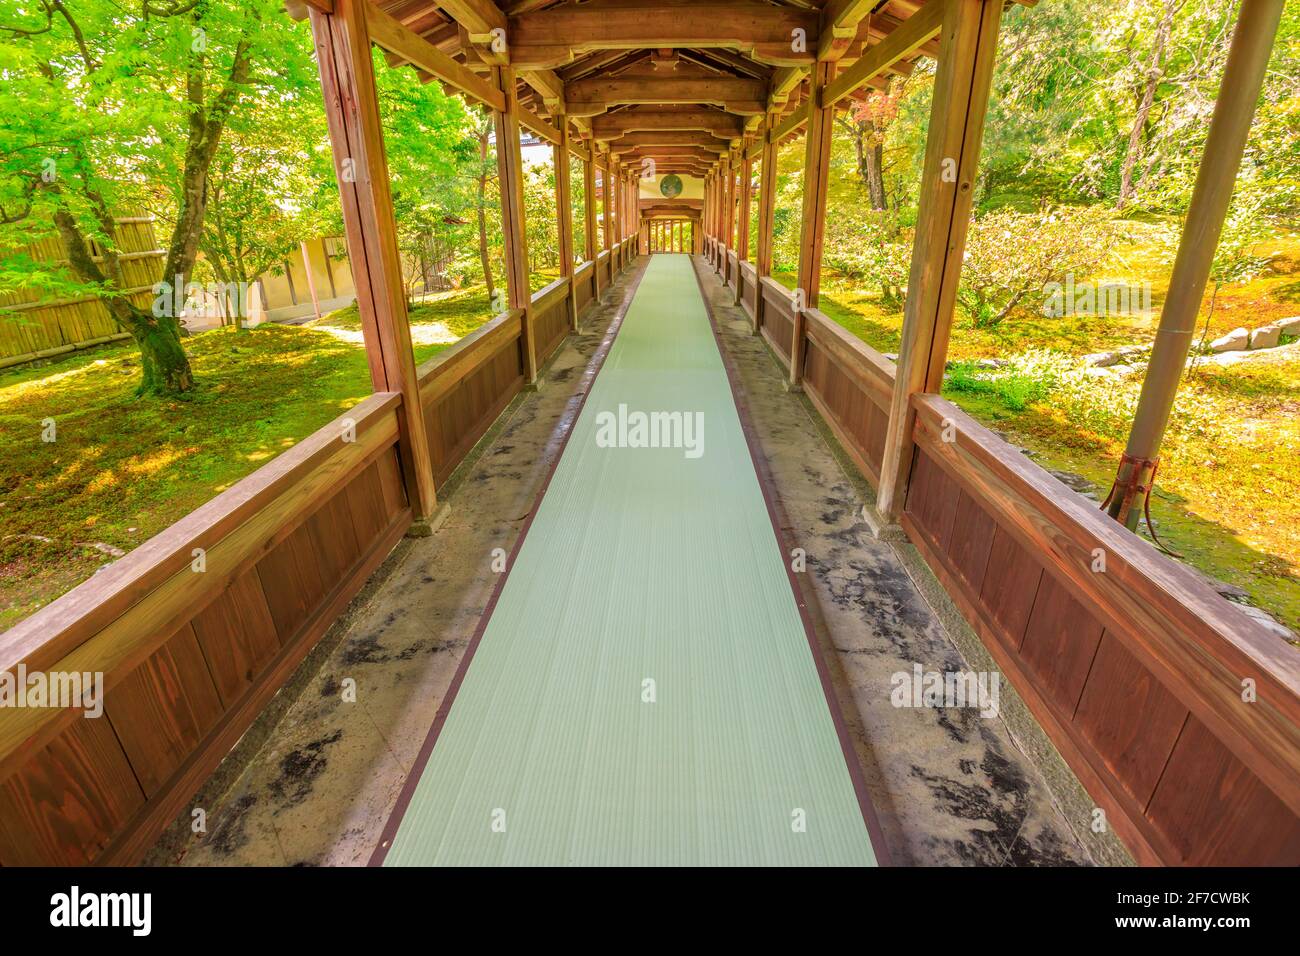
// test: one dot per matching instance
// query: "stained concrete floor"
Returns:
(316, 781)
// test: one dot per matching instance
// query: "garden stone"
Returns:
(1265, 337)
(1289, 326)
(1101, 359)
(1234, 341)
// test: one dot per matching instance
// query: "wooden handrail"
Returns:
(873, 371)
(1200, 644)
(440, 373)
(549, 294)
(119, 616)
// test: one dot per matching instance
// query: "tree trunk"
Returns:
(482, 214)
(164, 365)
(873, 167)
(1153, 74)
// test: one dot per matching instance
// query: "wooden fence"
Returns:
(193, 632)
(1136, 672)
(32, 327)
(196, 629)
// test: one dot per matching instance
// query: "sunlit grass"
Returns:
(1228, 491)
(124, 468)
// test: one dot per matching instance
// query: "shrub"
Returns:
(1012, 256)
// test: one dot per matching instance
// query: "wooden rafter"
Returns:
(651, 119)
(389, 34)
(591, 96)
(554, 36)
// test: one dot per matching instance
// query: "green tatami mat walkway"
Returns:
(644, 691)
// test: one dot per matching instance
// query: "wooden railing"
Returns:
(584, 285)
(551, 317)
(1178, 711)
(778, 318)
(748, 281)
(851, 385)
(193, 632)
(464, 388)
(196, 629)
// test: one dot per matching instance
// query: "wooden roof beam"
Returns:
(839, 26)
(552, 37)
(622, 122)
(478, 17)
(904, 40)
(594, 95)
(667, 153)
(784, 82)
(680, 137)
(389, 34)
(549, 86)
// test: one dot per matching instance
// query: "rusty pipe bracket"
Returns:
(1135, 481)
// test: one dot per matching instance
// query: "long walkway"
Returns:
(676, 715)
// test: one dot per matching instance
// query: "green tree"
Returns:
(98, 92)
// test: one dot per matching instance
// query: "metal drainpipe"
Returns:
(1252, 41)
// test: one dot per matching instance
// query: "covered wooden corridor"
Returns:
(1149, 702)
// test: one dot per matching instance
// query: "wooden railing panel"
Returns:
(189, 652)
(584, 285)
(467, 386)
(62, 806)
(778, 318)
(850, 384)
(749, 289)
(237, 636)
(1135, 669)
(551, 317)
(163, 709)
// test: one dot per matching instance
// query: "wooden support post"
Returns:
(617, 179)
(1243, 75)
(352, 112)
(742, 219)
(817, 158)
(510, 175)
(710, 217)
(766, 216)
(967, 49)
(564, 213)
(606, 207)
(742, 237)
(719, 204)
(589, 213)
(728, 218)
(628, 225)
